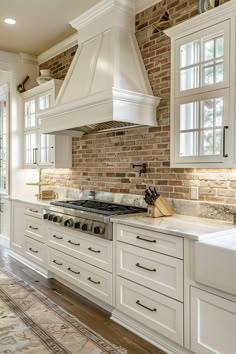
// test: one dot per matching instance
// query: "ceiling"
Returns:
(40, 23)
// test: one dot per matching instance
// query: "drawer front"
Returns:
(153, 270)
(35, 228)
(151, 240)
(35, 251)
(87, 248)
(93, 280)
(153, 310)
(213, 323)
(35, 211)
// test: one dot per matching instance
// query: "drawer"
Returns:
(156, 311)
(87, 248)
(35, 211)
(151, 240)
(35, 228)
(35, 251)
(95, 281)
(153, 270)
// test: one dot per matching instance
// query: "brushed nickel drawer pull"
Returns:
(33, 211)
(95, 282)
(31, 249)
(72, 271)
(150, 270)
(148, 308)
(60, 264)
(73, 243)
(95, 251)
(33, 228)
(57, 237)
(144, 239)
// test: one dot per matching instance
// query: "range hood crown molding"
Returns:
(101, 9)
(106, 85)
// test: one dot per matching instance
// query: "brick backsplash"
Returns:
(103, 161)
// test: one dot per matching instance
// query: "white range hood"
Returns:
(106, 86)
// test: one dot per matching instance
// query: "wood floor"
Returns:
(90, 314)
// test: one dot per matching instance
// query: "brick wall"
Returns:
(104, 161)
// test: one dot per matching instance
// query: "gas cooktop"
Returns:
(95, 206)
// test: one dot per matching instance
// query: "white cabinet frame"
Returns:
(219, 20)
(59, 148)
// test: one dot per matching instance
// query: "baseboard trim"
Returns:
(4, 241)
(44, 272)
(147, 334)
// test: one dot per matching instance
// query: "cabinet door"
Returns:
(45, 150)
(5, 218)
(213, 323)
(18, 226)
(30, 114)
(201, 110)
(203, 128)
(44, 101)
(31, 143)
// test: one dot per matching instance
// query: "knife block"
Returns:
(160, 208)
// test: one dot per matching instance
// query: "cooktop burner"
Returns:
(95, 206)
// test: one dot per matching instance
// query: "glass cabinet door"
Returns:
(31, 149)
(45, 152)
(203, 127)
(203, 61)
(30, 114)
(44, 101)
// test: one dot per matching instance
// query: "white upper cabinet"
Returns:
(203, 89)
(43, 150)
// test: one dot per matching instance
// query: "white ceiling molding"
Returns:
(141, 5)
(58, 48)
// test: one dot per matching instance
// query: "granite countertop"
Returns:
(179, 225)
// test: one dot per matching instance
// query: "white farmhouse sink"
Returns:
(215, 261)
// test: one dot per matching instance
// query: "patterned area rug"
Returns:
(32, 324)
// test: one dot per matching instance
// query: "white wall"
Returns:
(18, 68)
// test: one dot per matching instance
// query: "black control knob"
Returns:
(45, 216)
(77, 225)
(50, 217)
(85, 227)
(56, 218)
(97, 230)
(69, 223)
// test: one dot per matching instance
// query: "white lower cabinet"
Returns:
(156, 311)
(213, 323)
(5, 209)
(18, 227)
(95, 281)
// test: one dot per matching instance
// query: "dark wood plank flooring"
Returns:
(87, 312)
